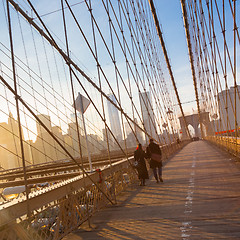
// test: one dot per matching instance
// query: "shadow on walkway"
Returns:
(199, 199)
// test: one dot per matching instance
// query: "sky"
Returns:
(169, 15)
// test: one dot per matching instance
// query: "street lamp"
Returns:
(164, 125)
(170, 114)
(214, 116)
(170, 117)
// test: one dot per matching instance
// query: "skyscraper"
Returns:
(44, 150)
(46, 120)
(10, 144)
(226, 108)
(114, 118)
(129, 131)
(147, 114)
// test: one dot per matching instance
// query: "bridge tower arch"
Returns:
(193, 120)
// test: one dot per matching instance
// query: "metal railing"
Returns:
(229, 144)
(59, 209)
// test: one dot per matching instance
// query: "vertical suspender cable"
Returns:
(17, 106)
(235, 70)
(127, 69)
(118, 89)
(184, 12)
(102, 102)
(74, 104)
(52, 135)
(167, 60)
(225, 68)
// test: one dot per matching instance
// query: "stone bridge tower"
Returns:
(193, 120)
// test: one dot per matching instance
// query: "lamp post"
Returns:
(170, 114)
(214, 117)
(170, 117)
(164, 125)
(165, 135)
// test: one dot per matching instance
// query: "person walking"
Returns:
(139, 156)
(155, 155)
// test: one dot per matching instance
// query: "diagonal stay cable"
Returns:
(167, 60)
(51, 134)
(51, 40)
(186, 25)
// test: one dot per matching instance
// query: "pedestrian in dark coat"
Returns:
(155, 165)
(139, 156)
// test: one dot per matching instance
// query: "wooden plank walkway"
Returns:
(199, 199)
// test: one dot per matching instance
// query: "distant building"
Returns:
(114, 119)
(10, 148)
(72, 140)
(95, 144)
(60, 153)
(111, 141)
(105, 138)
(129, 131)
(46, 120)
(147, 114)
(131, 140)
(46, 149)
(43, 150)
(226, 108)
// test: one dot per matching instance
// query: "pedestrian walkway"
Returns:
(199, 199)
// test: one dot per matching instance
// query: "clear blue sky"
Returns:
(170, 16)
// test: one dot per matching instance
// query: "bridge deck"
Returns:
(199, 199)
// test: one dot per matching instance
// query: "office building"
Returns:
(46, 120)
(114, 119)
(147, 114)
(226, 106)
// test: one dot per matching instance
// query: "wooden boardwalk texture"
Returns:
(199, 199)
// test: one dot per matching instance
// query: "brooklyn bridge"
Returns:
(83, 83)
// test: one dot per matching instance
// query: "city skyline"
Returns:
(44, 149)
(40, 73)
